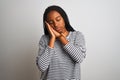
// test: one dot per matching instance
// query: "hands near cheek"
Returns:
(53, 33)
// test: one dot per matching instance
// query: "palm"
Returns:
(50, 30)
(57, 34)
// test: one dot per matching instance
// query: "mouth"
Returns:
(58, 29)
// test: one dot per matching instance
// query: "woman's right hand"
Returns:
(53, 37)
(49, 28)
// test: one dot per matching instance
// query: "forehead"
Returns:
(53, 14)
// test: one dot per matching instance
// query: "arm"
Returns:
(63, 39)
(52, 38)
(54, 34)
(77, 48)
(44, 55)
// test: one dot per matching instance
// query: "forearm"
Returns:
(51, 42)
(43, 60)
(63, 39)
(76, 47)
(76, 52)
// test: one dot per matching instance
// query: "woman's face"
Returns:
(56, 21)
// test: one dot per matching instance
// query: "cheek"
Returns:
(63, 23)
(52, 26)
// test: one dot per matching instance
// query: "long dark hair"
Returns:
(61, 12)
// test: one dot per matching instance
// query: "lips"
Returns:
(58, 29)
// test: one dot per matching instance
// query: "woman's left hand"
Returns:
(52, 31)
(57, 34)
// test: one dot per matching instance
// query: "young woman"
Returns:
(61, 48)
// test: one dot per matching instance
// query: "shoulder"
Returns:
(77, 33)
(44, 38)
(78, 36)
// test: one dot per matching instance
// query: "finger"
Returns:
(62, 34)
(55, 32)
(49, 28)
(47, 25)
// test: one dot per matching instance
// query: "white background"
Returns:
(21, 28)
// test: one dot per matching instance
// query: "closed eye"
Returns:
(50, 22)
(58, 18)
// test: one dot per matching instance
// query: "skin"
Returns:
(56, 27)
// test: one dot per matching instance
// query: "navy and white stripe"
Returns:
(61, 62)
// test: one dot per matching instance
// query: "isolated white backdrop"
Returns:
(21, 28)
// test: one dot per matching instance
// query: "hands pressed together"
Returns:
(54, 34)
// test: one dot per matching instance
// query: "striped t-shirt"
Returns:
(63, 61)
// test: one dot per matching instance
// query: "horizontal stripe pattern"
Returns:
(61, 62)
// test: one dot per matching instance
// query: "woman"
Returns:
(61, 48)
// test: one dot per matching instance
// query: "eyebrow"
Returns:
(55, 18)
(58, 16)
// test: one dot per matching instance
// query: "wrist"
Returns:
(51, 42)
(63, 39)
(53, 37)
(60, 36)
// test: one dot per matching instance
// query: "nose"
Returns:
(55, 24)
